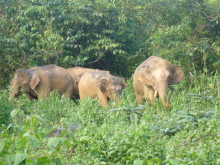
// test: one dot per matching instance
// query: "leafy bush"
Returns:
(117, 134)
(4, 109)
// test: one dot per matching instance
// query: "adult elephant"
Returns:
(76, 74)
(38, 82)
(153, 76)
(101, 84)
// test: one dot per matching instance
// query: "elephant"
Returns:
(101, 84)
(38, 82)
(76, 74)
(152, 78)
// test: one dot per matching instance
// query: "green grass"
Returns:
(189, 133)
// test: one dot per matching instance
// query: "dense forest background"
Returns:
(108, 34)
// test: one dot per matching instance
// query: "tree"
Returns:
(108, 34)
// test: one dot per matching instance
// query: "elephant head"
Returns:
(112, 87)
(159, 77)
(24, 79)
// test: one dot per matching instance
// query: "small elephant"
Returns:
(101, 84)
(38, 82)
(152, 77)
(76, 74)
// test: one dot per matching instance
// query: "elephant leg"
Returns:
(103, 101)
(44, 92)
(69, 92)
(149, 94)
(163, 97)
(43, 95)
(166, 104)
(81, 95)
(139, 97)
(102, 98)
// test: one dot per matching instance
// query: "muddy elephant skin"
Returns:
(152, 78)
(38, 82)
(101, 84)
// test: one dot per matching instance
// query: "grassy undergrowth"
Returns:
(188, 133)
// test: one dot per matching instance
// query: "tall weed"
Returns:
(188, 133)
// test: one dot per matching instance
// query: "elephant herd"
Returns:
(151, 79)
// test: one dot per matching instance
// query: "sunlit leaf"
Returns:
(19, 158)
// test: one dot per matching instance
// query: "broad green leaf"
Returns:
(22, 142)
(32, 120)
(9, 158)
(150, 162)
(14, 113)
(54, 142)
(2, 145)
(138, 162)
(57, 161)
(19, 158)
(43, 160)
(33, 141)
(174, 162)
(67, 144)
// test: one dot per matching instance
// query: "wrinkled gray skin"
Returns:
(101, 84)
(38, 82)
(76, 74)
(152, 78)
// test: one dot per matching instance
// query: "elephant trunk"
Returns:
(15, 91)
(12, 95)
(116, 98)
(162, 90)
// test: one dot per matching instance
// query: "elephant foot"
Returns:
(167, 105)
(151, 102)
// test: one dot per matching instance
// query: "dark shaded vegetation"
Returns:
(110, 35)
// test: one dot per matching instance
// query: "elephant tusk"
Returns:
(155, 94)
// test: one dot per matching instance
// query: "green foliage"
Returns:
(117, 134)
(111, 35)
(4, 109)
(183, 33)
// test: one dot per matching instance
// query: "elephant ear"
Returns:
(101, 84)
(177, 75)
(35, 79)
(124, 84)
